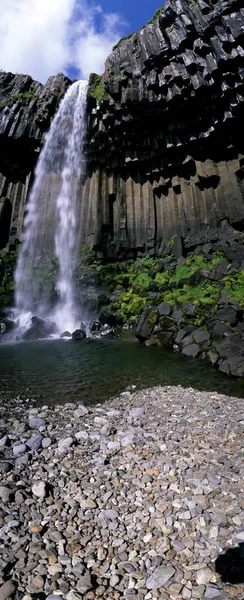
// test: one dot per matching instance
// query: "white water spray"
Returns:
(50, 225)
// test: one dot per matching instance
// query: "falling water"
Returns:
(50, 225)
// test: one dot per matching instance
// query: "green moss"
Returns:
(204, 294)
(156, 15)
(234, 285)
(96, 89)
(193, 264)
(131, 306)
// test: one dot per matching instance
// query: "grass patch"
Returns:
(96, 89)
(156, 15)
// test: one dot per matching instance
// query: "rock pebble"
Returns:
(132, 500)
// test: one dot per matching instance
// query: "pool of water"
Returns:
(95, 370)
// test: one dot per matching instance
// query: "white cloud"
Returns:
(44, 37)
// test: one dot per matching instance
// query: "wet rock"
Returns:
(106, 317)
(78, 334)
(191, 350)
(146, 324)
(164, 309)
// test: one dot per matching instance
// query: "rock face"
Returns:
(26, 109)
(164, 147)
(165, 156)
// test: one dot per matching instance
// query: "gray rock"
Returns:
(160, 577)
(114, 446)
(200, 336)
(191, 350)
(136, 412)
(19, 449)
(36, 422)
(80, 412)
(22, 460)
(35, 442)
(5, 467)
(46, 442)
(212, 592)
(81, 436)
(5, 493)
(114, 580)
(203, 576)
(84, 584)
(39, 489)
(7, 590)
(110, 513)
(164, 309)
(65, 444)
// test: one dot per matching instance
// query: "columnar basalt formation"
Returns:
(165, 154)
(26, 110)
(165, 148)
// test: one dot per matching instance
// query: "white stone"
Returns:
(160, 577)
(65, 444)
(203, 576)
(39, 489)
(80, 412)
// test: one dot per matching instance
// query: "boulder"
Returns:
(40, 329)
(96, 326)
(146, 324)
(191, 350)
(106, 317)
(78, 334)
(66, 334)
(200, 335)
(228, 314)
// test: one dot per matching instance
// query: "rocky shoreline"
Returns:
(132, 499)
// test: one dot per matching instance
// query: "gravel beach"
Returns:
(133, 499)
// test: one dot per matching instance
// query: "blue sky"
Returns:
(46, 37)
(135, 12)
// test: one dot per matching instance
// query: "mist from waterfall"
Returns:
(50, 224)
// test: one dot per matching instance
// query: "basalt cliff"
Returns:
(165, 151)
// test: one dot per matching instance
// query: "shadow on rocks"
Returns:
(230, 565)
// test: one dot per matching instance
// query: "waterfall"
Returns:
(50, 225)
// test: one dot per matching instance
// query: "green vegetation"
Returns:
(130, 284)
(234, 284)
(7, 266)
(96, 89)
(24, 98)
(156, 15)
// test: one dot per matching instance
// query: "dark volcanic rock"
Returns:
(146, 324)
(165, 156)
(26, 111)
(40, 329)
(78, 334)
(164, 138)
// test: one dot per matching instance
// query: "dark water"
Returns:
(63, 371)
